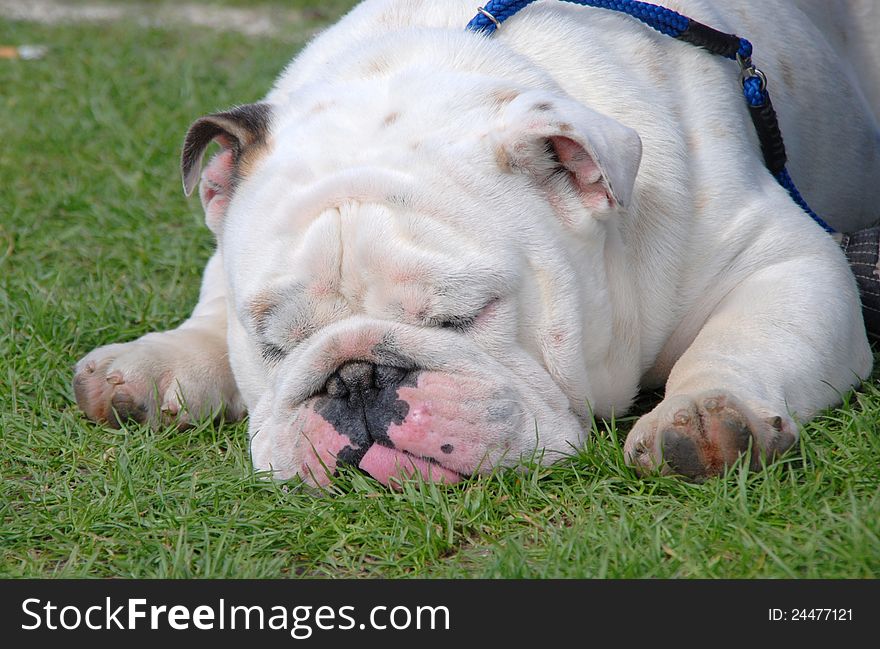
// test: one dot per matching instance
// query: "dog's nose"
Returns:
(361, 379)
(357, 377)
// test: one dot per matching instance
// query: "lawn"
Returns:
(98, 245)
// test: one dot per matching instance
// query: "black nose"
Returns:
(361, 380)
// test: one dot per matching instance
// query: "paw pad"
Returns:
(699, 437)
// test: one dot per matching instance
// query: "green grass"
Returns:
(97, 245)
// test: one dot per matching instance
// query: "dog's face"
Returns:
(402, 293)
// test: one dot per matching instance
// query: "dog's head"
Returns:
(405, 287)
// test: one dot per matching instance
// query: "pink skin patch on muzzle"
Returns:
(443, 437)
(447, 420)
(389, 466)
(323, 444)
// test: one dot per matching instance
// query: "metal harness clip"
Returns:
(490, 17)
(748, 70)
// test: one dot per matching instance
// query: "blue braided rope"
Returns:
(785, 180)
(668, 22)
(756, 95)
(754, 91)
(662, 19)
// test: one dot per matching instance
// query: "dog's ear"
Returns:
(240, 132)
(555, 139)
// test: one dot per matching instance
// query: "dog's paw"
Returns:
(700, 436)
(169, 377)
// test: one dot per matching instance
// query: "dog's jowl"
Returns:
(439, 252)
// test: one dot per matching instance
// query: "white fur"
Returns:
(386, 157)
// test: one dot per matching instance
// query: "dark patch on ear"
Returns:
(239, 129)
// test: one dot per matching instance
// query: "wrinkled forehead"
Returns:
(358, 250)
(356, 187)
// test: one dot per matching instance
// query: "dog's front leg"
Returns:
(177, 376)
(782, 344)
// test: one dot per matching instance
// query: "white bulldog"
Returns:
(440, 251)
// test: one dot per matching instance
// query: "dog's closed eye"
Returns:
(463, 323)
(457, 323)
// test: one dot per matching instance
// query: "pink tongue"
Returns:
(385, 464)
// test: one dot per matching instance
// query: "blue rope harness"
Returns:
(671, 23)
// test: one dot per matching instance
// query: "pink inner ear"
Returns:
(215, 187)
(585, 173)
